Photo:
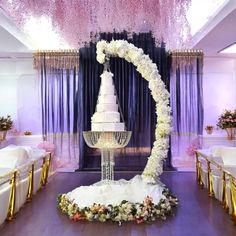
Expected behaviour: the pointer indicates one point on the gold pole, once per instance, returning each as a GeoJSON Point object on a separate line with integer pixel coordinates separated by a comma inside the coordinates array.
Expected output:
{"type": "Point", "coordinates": [12, 198]}
{"type": "Point", "coordinates": [42, 180]}
{"type": "Point", "coordinates": [30, 184]}
{"type": "Point", "coordinates": [224, 194]}
{"type": "Point", "coordinates": [47, 165]}
{"type": "Point", "coordinates": [210, 180]}
{"type": "Point", "coordinates": [233, 198]}
{"type": "Point", "coordinates": [198, 170]}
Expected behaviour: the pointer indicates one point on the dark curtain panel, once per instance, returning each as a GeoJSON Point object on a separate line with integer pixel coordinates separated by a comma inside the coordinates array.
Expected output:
{"type": "Point", "coordinates": [134, 96]}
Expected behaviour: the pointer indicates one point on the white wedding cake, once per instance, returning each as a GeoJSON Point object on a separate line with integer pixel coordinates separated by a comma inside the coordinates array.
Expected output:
{"type": "Point", "coordinates": [107, 117]}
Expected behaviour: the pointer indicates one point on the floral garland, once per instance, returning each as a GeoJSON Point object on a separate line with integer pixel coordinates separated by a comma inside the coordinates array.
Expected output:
{"type": "Point", "coordinates": [125, 211]}
{"type": "Point", "coordinates": [149, 71]}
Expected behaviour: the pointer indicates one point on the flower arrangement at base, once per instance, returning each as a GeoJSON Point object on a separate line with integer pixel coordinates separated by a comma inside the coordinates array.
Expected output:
{"type": "Point", "coordinates": [146, 211]}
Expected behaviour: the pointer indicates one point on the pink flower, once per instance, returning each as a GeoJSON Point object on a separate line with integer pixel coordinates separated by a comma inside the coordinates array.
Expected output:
{"type": "Point", "coordinates": [47, 146]}
{"type": "Point", "coordinates": [194, 145]}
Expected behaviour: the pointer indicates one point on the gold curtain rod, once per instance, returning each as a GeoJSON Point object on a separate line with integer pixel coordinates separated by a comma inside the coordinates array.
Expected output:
{"type": "Point", "coordinates": [67, 58]}
{"type": "Point", "coordinates": [186, 52]}
{"type": "Point", "coordinates": [57, 51]}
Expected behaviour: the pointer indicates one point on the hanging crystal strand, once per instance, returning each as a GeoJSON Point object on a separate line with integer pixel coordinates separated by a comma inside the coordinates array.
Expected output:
{"type": "Point", "coordinates": [112, 164]}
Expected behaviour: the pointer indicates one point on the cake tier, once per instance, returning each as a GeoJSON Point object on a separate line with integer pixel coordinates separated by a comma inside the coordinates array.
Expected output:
{"type": "Point", "coordinates": [107, 107]}
{"type": "Point", "coordinates": [108, 81]}
{"type": "Point", "coordinates": [107, 90]}
{"type": "Point", "coordinates": [108, 126]}
{"type": "Point", "coordinates": [106, 76]}
{"type": "Point", "coordinates": [110, 116]}
{"type": "Point", "coordinates": [106, 98]}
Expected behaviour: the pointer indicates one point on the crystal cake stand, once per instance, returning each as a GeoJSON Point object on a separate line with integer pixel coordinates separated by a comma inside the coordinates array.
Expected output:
{"type": "Point", "coordinates": [107, 141]}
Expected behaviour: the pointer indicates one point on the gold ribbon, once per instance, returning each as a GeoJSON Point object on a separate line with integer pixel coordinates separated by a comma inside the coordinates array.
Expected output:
{"type": "Point", "coordinates": [12, 198]}
{"type": "Point", "coordinates": [210, 180]}
{"type": "Point", "coordinates": [30, 190]}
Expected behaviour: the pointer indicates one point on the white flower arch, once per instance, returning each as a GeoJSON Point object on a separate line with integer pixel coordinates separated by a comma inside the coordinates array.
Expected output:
{"type": "Point", "coordinates": [149, 71]}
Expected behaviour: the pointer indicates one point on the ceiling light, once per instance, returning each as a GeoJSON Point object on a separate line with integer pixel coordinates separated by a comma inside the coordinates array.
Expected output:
{"type": "Point", "coordinates": [230, 49]}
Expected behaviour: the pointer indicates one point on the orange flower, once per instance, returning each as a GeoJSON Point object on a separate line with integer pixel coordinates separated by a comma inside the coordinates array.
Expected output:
{"type": "Point", "coordinates": [77, 217]}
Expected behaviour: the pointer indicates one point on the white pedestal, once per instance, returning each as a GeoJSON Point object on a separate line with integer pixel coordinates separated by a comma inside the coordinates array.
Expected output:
{"type": "Point", "coordinates": [216, 139]}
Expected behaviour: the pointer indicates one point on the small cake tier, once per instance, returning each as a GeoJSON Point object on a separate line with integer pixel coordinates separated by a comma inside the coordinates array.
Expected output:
{"type": "Point", "coordinates": [107, 107]}
{"type": "Point", "coordinates": [105, 98]}
{"type": "Point", "coordinates": [107, 77]}
{"type": "Point", "coordinates": [108, 126]}
{"type": "Point", "coordinates": [110, 116]}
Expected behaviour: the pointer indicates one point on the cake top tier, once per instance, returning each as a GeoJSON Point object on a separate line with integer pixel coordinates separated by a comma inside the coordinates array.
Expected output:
{"type": "Point", "coordinates": [107, 116]}
{"type": "Point", "coordinates": [106, 79]}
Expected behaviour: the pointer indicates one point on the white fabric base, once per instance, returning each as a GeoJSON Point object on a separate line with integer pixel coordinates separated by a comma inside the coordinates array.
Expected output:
{"type": "Point", "coordinates": [134, 190]}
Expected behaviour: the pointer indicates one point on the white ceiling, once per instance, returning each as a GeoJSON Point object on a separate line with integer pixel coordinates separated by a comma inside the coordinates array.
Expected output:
{"type": "Point", "coordinates": [217, 34]}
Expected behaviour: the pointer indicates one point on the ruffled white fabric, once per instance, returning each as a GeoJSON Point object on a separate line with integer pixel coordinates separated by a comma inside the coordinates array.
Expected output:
{"type": "Point", "coordinates": [134, 190]}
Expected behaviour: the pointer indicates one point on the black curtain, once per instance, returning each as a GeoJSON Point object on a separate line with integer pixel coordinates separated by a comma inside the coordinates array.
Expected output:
{"type": "Point", "coordinates": [134, 96]}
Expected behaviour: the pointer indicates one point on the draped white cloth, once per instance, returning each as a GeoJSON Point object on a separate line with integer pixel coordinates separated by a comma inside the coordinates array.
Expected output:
{"type": "Point", "coordinates": [114, 192]}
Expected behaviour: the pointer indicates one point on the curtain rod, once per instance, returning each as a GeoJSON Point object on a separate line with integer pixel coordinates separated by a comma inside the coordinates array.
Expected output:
{"type": "Point", "coordinates": [186, 52]}
{"type": "Point", "coordinates": [64, 52]}
{"type": "Point", "coordinates": [67, 58]}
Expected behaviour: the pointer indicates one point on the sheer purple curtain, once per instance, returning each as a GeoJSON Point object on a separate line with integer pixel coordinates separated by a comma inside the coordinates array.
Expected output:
{"type": "Point", "coordinates": [60, 118]}
{"type": "Point", "coordinates": [186, 101]}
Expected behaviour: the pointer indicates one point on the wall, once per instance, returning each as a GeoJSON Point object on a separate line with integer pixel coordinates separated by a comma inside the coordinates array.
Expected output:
{"type": "Point", "coordinates": [219, 93]}
{"type": "Point", "coordinates": [219, 87]}
{"type": "Point", "coordinates": [19, 94]}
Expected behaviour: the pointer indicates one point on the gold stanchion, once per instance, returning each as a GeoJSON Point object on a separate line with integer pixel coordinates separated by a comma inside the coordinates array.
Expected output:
{"type": "Point", "coordinates": [30, 184]}
{"type": "Point", "coordinates": [233, 198]}
{"type": "Point", "coordinates": [210, 180]}
{"type": "Point", "coordinates": [47, 165]}
{"type": "Point", "coordinates": [42, 180]}
{"type": "Point", "coordinates": [198, 170]}
{"type": "Point", "coordinates": [224, 192]}
{"type": "Point", "coordinates": [12, 198]}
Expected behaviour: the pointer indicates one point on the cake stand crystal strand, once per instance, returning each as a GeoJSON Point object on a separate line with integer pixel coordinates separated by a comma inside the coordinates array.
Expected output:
{"type": "Point", "coordinates": [107, 141]}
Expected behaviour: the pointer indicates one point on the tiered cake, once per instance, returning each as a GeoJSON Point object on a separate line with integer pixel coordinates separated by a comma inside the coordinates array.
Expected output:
{"type": "Point", "coordinates": [107, 117]}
